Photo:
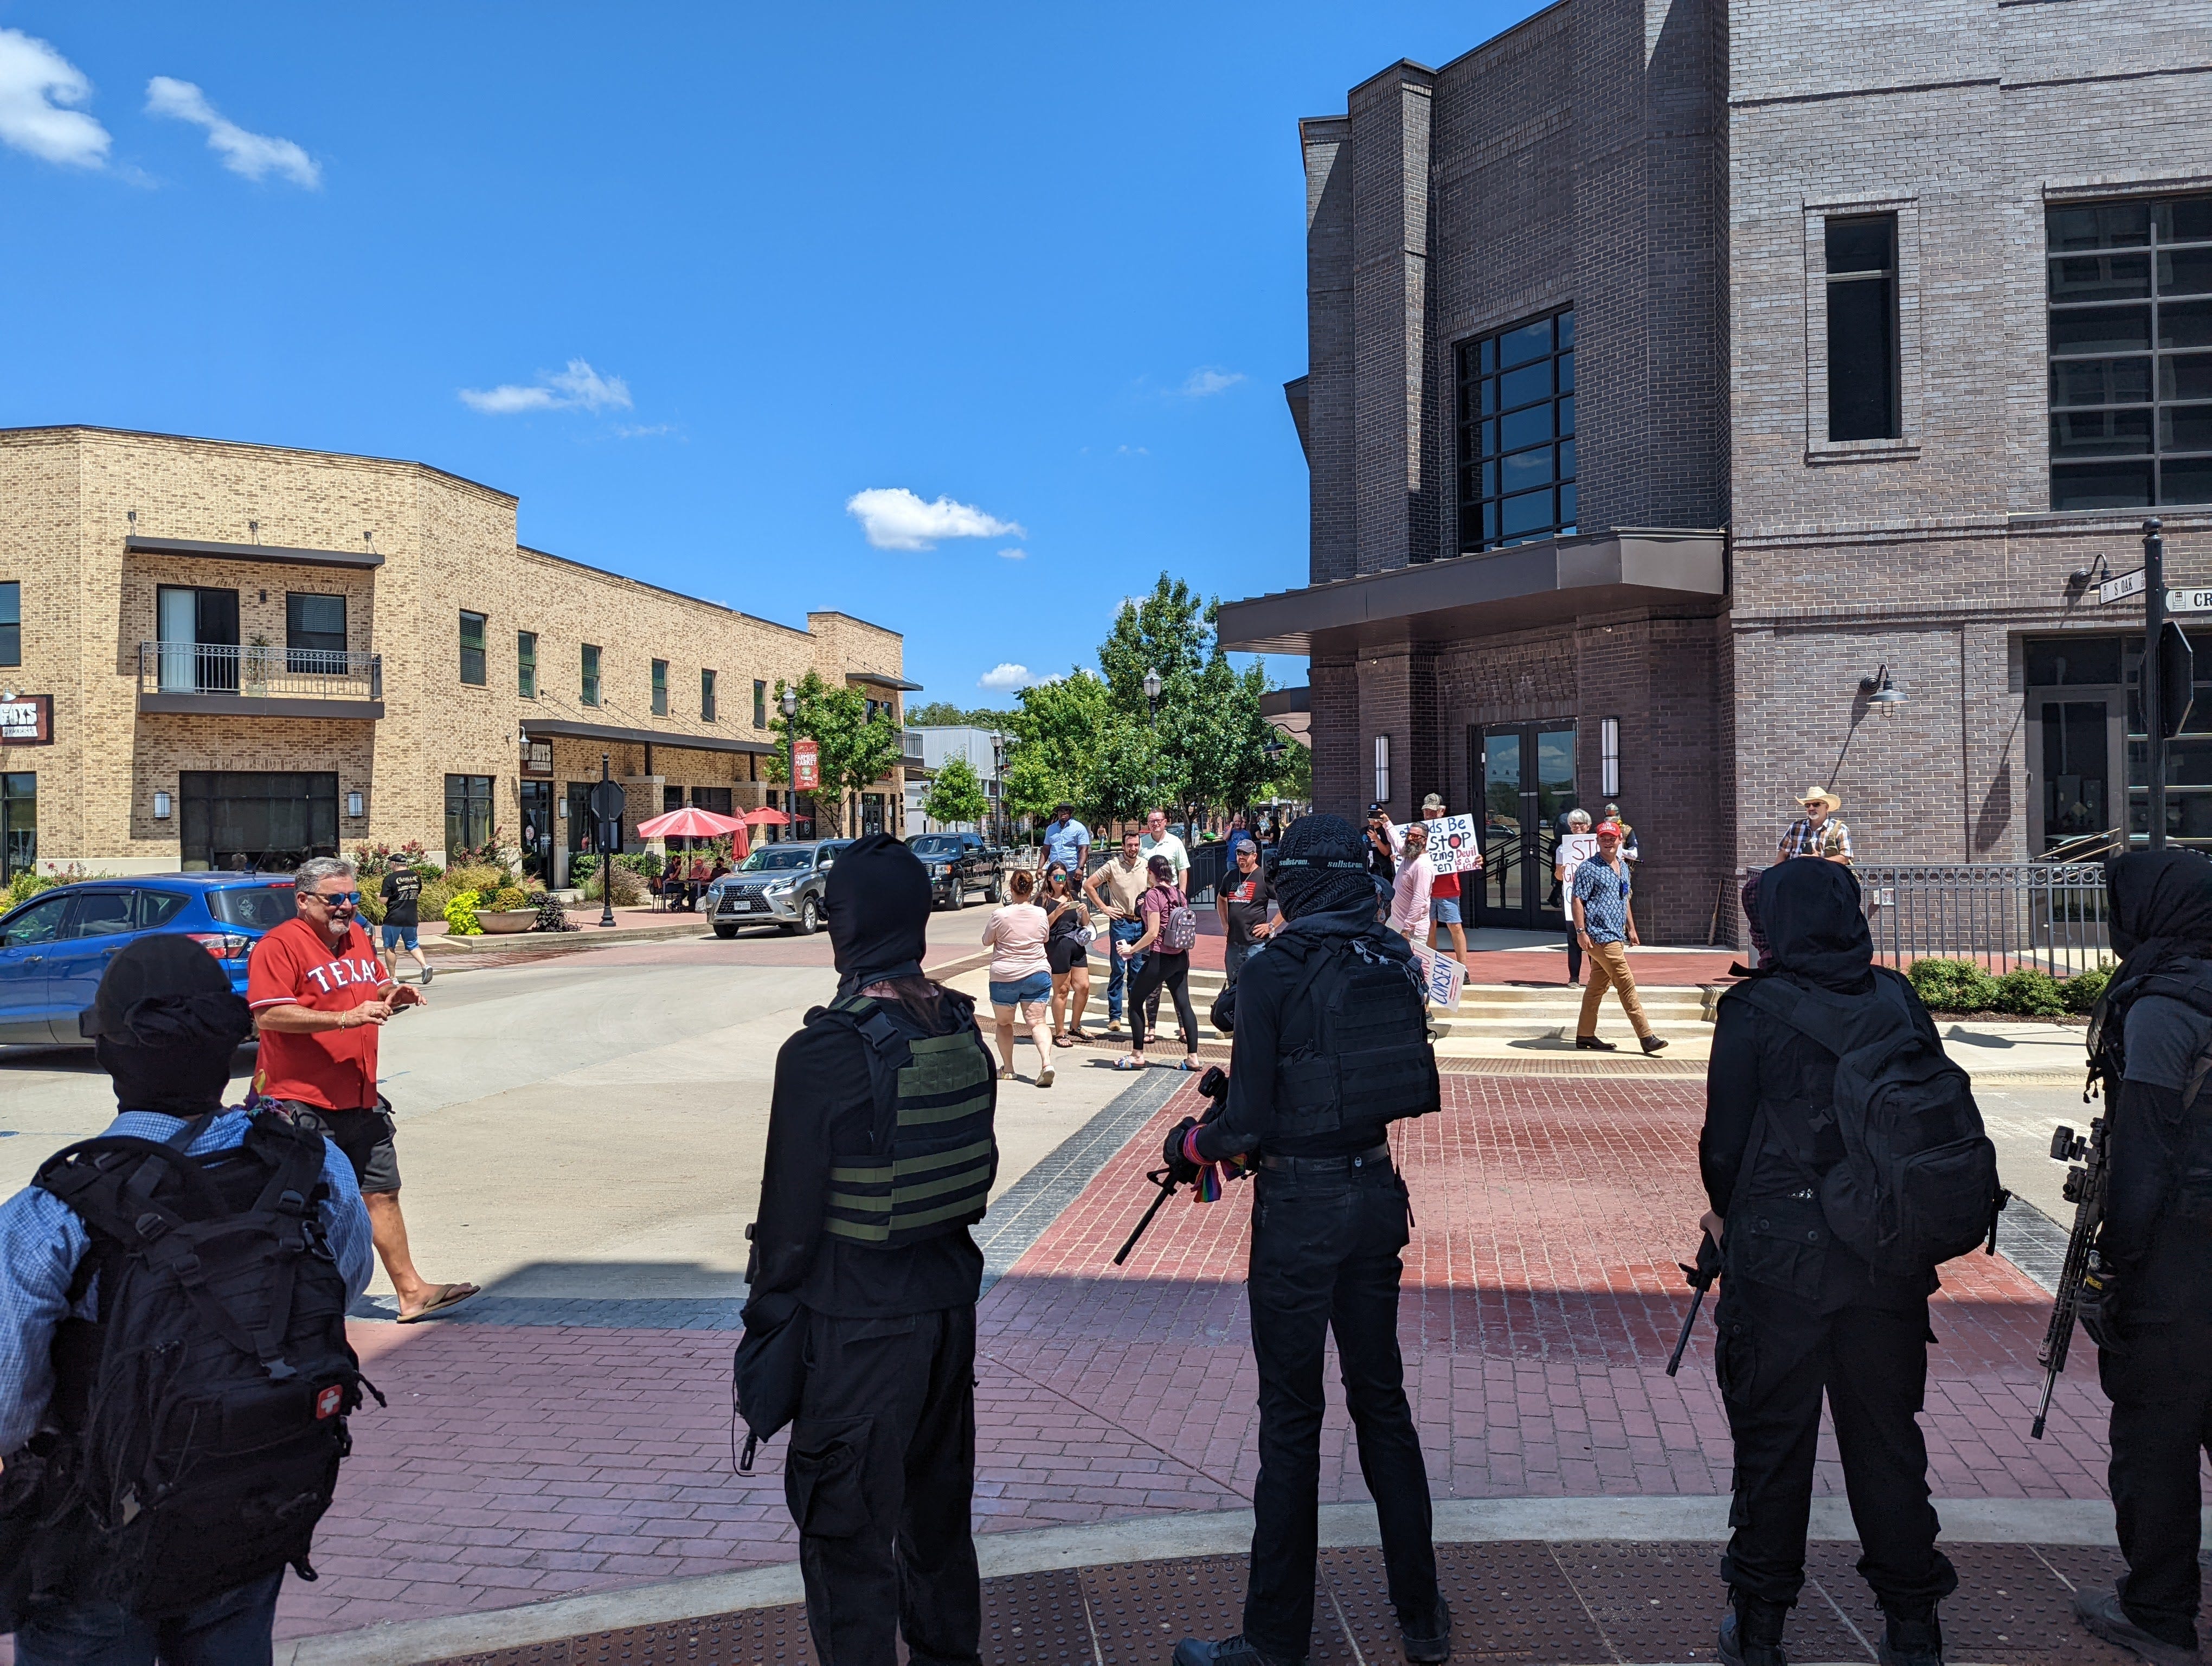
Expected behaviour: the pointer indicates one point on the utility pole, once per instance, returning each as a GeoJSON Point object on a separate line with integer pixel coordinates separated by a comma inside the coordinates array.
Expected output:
{"type": "Point", "coordinates": [2154, 703]}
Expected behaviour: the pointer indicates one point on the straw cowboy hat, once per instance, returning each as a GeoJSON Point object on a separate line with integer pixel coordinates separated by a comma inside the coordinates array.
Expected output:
{"type": "Point", "coordinates": [1813, 795]}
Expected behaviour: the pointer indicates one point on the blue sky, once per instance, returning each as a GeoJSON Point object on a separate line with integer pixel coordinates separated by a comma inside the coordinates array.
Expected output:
{"type": "Point", "coordinates": [712, 272]}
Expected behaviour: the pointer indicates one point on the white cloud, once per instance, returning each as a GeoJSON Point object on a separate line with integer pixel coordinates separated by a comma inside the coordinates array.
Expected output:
{"type": "Point", "coordinates": [1208, 379]}
{"type": "Point", "coordinates": [1006, 677]}
{"type": "Point", "coordinates": [255, 155]}
{"type": "Point", "coordinates": [894, 519]}
{"type": "Point", "coordinates": [1132, 451]}
{"type": "Point", "coordinates": [1013, 555]}
{"type": "Point", "coordinates": [37, 85]}
{"type": "Point", "coordinates": [579, 387]}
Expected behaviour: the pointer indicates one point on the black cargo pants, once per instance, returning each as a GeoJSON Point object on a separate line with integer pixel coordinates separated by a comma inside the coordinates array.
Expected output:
{"type": "Point", "coordinates": [2161, 1395]}
{"type": "Point", "coordinates": [879, 1478]}
{"type": "Point", "coordinates": [1778, 1353]}
{"type": "Point", "coordinates": [1326, 1234]}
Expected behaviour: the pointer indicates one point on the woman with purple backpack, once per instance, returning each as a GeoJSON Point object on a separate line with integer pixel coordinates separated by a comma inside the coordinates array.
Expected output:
{"type": "Point", "coordinates": [1170, 928]}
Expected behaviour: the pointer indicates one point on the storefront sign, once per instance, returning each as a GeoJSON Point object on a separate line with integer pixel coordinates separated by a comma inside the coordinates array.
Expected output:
{"type": "Point", "coordinates": [26, 720]}
{"type": "Point", "coordinates": [1452, 846]}
{"type": "Point", "coordinates": [806, 765]}
{"type": "Point", "coordinates": [537, 760]}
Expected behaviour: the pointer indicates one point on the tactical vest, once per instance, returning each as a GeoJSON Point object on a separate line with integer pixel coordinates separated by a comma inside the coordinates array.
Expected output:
{"type": "Point", "coordinates": [932, 1157]}
{"type": "Point", "coordinates": [1367, 1058]}
{"type": "Point", "coordinates": [2189, 1199]}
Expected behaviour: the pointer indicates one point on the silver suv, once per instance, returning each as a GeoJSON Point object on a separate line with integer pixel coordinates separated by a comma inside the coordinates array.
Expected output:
{"type": "Point", "coordinates": [779, 884]}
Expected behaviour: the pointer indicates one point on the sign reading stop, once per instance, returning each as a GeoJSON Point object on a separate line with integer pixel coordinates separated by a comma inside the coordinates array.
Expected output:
{"type": "Point", "coordinates": [806, 765]}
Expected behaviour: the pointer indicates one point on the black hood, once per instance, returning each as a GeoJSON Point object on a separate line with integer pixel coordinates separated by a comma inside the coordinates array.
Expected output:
{"type": "Point", "coordinates": [164, 1025]}
{"type": "Point", "coordinates": [1321, 867]}
{"type": "Point", "coordinates": [1815, 926]}
{"type": "Point", "coordinates": [2159, 904]}
{"type": "Point", "coordinates": [878, 900]}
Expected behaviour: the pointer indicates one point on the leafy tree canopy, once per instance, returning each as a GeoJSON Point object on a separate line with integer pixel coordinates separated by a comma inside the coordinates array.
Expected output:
{"type": "Point", "coordinates": [956, 794]}
{"type": "Point", "coordinates": [943, 714]}
{"type": "Point", "coordinates": [1053, 752]}
{"type": "Point", "coordinates": [1168, 631]}
{"type": "Point", "coordinates": [855, 750]}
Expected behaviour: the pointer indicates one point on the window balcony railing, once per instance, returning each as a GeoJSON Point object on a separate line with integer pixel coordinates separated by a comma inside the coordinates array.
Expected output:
{"type": "Point", "coordinates": [225, 668]}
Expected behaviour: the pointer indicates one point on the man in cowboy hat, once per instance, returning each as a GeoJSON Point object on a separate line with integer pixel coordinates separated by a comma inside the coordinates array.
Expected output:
{"type": "Point", "coordinates": [1817, 832]}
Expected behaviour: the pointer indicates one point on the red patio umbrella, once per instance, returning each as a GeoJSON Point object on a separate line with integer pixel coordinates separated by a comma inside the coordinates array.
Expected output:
{"type": "Point", "coordinates": [765, 818]}
{"type": "Point", "coordinates": [690, 823]}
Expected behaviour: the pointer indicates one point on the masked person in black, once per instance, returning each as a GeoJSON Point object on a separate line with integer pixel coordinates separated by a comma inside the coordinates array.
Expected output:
{"type": "Point", "coordinates": [880, 1156]}
{"type": "Point", "coordinates": [1331, 1046]}
{"type": "Point", "coordinates": [2147, 1301]}
{"type": "Point", "coordinates": [1800, 1311]}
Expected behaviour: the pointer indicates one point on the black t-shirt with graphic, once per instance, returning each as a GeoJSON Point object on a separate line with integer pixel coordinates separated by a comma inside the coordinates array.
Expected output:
{"type": "Point", "coordinates": [402, 886]}
{"type": "Point", "coordinates": [1243, 904]}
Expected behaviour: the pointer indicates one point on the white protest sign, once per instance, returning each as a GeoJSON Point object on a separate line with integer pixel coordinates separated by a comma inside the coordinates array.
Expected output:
{"type": "Point", "coordinates": [1444, 976]}
{"type": "Point", "coordinates": [1574, 850]}
{"type": "Point", "coordinates": [1453, 844]}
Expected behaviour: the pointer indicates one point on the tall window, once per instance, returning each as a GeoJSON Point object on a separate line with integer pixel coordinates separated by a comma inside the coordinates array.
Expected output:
{"type": "Point", "coordinates": [314, 632]}
{"type": "Point", "coordinates": [760, 704]}
{"type": "Point", "coordinates": [706, 696]}
{"type": "Point", "coordinates": [590, 693]}
{"type": "Point", "coordinates": [660, 688]}
{"type": "Point", "coordinates": [468, 813]}
{"type": "Point", "coordinates": [1862, 378]}
{"type": "Point", "coordinates": [18, 823]}
{"type": "Point", "coordinates": [2130, 353]}
{"type": "Point", "coordinates": [525, 664]}
{"type": "Point", "coordinates": [11, 622]}
{"type": "Point", "coordinates": [1516, 434]}
{"type": "Point", "coordinates": [472, 649]}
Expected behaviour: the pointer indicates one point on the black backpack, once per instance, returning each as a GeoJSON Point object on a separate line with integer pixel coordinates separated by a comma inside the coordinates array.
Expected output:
{"type": "Point", "coordinates": [1918, 1181]}
{"type": "Point", "coordinates": [198, 1425]}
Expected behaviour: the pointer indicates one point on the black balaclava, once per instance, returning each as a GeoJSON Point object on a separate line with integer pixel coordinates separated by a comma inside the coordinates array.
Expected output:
{"type": "Point", "coordinates": [1815, 925]}
{"type": "Point", "coordinates": [2161, 904]}
{"type": "Point", "coordinates": [1322, 868]}
{"type": "Point", "coordinates": [878, 900]}
{"type": "Point", "coordinates": [164, 1025]}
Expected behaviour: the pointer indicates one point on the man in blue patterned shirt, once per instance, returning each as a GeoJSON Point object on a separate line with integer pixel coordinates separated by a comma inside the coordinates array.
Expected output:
{"type": "Point", "coordinates": [1605, 926]}
{"type": "Point", "coordinates": [165, 1025]}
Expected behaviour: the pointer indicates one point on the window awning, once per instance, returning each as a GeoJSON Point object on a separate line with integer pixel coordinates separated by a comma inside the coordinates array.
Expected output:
{"type": "Point", "coordinates": [275, 555]}
{"type": "Point", "coordinates": [882, 682]}
{"type": "Point", "coordinates": [545, 728]}
{"type": "Point", "coordinates": [1551, 582]}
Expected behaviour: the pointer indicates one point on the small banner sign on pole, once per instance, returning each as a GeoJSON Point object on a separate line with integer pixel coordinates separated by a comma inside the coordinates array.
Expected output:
{"type": "Point", "coordinates": [806, 765]}
{"type": "Point", "coordinates": [1444, 976]}
{"type": "Point", "coordinates": [1453, 844]}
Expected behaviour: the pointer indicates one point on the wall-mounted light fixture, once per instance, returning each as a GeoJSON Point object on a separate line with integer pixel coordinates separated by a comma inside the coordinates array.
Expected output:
{"type": "Point", "coordinates": [1881, 693]}
{"type": "Point", "coordinates": [161, 806]}
{"type": "Point", "coordinates": [1608, 757]}
{"type": "Point", "coordinates": [1382, 769]}
{"type": "Point", "coordinates": [354, 805]}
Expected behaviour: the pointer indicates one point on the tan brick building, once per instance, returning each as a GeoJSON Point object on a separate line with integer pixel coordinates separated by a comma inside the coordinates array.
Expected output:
{"type": "Point", "coordinates": [228, 651]}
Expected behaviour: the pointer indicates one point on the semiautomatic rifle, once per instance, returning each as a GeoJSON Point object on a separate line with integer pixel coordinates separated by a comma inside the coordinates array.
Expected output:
{"type": "Point", "coordinates": [1214, 1085]}
{"type": "Point", "coordinates": [1700, 1280]}
{"type": "Point", "coordinates": [2085, 1190]}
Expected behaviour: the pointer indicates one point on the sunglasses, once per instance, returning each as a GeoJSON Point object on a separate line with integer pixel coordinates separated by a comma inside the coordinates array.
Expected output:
{"type": "Point", "coordinates": [335, 899]}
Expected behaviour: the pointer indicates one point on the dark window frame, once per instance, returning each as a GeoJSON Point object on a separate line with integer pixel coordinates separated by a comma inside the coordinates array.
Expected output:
{"type": "Point", "coordinates": [707, 702]}
{"type": "Point", "coordinates": [760, 703]}
{"type": "Point", "coordinates": [468, 811]}
{"type": "Point", "coordinates": [309, 649]}
{"type": "Point", "coordinates": [589, 685]}
{"type": "Point", "coordinates": [477, 665]}
{"type": "Point", "coordinates": [11, 621]}
{"type": "Point", "coordinates": [660, 688]}
{"type": "Point", "coordinates": [1496, 399]}
{"type": "Point", "coordinates": [19, 827]}
{"type": "Point", "coordinates": [1864, 333]}
{"type": "Point", "coordinates": [2129, 303]}
{"type": "Point", "coordinates": [525, 665]}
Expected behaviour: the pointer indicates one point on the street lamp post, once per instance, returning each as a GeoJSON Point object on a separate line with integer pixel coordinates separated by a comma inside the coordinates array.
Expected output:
{"type": "Point", "coordinates": [791, 756]}
{"type": "Point", "coordinates": [606, 852]}
{"type": "Point", "coordinates": [1152, 700]}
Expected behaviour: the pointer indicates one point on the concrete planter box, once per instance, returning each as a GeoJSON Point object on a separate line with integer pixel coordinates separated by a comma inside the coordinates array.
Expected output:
{"type": "Point", "coordinates": [497, 921]}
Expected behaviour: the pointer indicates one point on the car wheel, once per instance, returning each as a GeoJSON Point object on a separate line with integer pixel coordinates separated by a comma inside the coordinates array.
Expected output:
{"type": "Point", "coordinates": [810, 917]}
{"type": "Point", "coordinates": [957, 898]}
{"type": "Point", "coordinates": [726, 931]}
{"type": "Point", "coordinates": [997, 894]}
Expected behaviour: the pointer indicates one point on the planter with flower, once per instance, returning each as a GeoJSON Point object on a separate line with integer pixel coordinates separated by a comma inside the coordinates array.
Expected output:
{"type": "Point", "coordinates": [510, 909]}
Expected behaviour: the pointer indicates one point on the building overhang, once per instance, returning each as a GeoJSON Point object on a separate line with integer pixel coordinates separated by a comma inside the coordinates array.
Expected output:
{"type": "Point", "coordinates": [269, 553]}
{"type": "Point", "coordinates": [882, 682]}
{"type": "Point", "coordinates": [1552, 583]}
{"type": "Point", "coordinates": [258, 705]}
{"type": "Point", "coordinates": [547, 728]}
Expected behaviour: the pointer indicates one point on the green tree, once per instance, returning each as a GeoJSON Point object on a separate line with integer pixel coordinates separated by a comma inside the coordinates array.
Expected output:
{"type": "Point", "coordinates": [1129, 774]}
{"type": "Point", "coordinates": [1053, 746]}
{"type": "Point", "coordinates": [1291, 776]}
{"type": "Point", "coordinates": [943, 714]}
{"type": "Point", "coordinates": [957, 794]}
{"type": "Point", "coordinates": [1217, 734]}
{"type": "Point", "coordinates": [1168, 631]}
{"type": "Point", "coordinates": [855, 750]}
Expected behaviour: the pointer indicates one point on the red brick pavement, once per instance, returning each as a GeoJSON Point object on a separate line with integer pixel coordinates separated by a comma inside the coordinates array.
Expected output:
{"type": "Point", "coordinates": [516, 1463]}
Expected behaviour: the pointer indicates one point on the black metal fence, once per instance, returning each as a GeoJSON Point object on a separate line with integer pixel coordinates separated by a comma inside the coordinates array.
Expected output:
{"type": "Point", "coordinates": [227, 668]}
{"type": "Point", "coordinates": [2048, 915]}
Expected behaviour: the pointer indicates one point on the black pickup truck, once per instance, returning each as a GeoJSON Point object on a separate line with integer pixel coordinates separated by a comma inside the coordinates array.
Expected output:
{"type": "Point", "coordinates": [958, 864]}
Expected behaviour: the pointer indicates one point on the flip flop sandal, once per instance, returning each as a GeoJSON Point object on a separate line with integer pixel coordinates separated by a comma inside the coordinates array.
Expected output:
{"type": "Point", "coordinates": [1063, 1041]}
{"type": "Point", "coordinates": [447, 1296]}
{"type": "Point", "coordinates": [1126, 1062]}
{"type": "Point", "coordinates": [1083, 1036]}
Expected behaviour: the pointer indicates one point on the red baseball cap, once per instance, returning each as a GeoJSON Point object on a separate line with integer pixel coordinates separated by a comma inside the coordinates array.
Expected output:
{"type": "Point", "coordinates": [1613, 828]}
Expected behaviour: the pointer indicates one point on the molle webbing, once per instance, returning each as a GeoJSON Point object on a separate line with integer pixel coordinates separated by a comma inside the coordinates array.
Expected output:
{"type": "Point", "coordinates": [936, 1175]}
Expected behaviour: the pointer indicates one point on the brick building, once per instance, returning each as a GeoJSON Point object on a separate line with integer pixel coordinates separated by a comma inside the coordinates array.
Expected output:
{"type": "Point", "coordinates": [1679, 368]}
{"type": "Point", "coordinates": [211, 651]}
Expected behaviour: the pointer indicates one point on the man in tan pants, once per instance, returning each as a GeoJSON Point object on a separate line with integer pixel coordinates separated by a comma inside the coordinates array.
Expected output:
{"type": "Point", "coordinates": [1605, 926]}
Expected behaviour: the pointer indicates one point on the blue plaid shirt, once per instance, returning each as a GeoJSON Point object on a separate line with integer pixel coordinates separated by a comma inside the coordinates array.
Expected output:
{"type": "Point", "coordinates": [1604, 893]}
{"type": "Point", "coordinates": [42, 1241]}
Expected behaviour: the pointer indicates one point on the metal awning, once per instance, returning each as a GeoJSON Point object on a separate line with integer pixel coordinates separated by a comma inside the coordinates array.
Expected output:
{"type": "Point", "coordinates": [1551, 582]}
{"type": "Point", "coordinates": [881, 681]}
{"type": "Point", "coordinates": [274, 553]}
{"type": "Point", "coordinates": [545, 728]}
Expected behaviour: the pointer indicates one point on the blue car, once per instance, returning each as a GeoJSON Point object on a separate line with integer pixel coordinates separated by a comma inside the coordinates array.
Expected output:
{"type": "Point", "coordinates": [54, 947]}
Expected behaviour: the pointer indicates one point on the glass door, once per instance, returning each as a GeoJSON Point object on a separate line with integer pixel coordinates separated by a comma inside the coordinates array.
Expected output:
{"type": "Point", "coordinates": [1502, 870]}
{"type": "Point", "coordinates": [1526, 781]}
{"type": "Point", "coordinates": [2076, 773]}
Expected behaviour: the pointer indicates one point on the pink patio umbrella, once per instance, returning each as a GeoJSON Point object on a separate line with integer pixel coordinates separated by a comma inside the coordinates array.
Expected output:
{"type": "Point", "coordinates": [765, 818]}
{"type": "Point", "coordinates": [692, 823]}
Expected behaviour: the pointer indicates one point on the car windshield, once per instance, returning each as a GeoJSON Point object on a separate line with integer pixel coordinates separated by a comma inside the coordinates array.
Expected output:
{"type": "Point", "coordinates": [777, 857]}
{"type": "Point", "coordinates": [936, 847]}
{"type": "Point", "coordinates": [258, 908]}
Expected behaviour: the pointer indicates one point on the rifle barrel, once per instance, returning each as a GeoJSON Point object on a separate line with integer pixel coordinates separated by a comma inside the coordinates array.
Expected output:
{"type": "Point", "coordinates": [1167, 1191]}
{"type": "Point", "coordinates": [1689, 1323]}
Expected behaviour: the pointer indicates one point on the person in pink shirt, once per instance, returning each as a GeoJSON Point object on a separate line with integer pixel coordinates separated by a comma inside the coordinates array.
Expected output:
{"type": "Point", "coordinates": [1021, 976]}
{"type": "Point", "coordinates": [1409, 896]}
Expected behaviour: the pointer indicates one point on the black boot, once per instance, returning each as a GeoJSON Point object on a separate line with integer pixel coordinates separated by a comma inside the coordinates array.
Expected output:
{"type": "Point", "coordinates": [1913, 1638]}
{"type": "Point", "coordinates": [1751, 1634]}
{"type": "Point", "coordinates": [1431, 1640]}
{"type": "Point", "coordinates": [1229, 1651]}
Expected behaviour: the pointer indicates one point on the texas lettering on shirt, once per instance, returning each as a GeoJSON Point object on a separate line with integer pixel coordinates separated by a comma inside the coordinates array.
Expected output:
{"type": "Point", "coordinates": [338, 971]}
{"type": "Point", "coordinates": [296, 964]}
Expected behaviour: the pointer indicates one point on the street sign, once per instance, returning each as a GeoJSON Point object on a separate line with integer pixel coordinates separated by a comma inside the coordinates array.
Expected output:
{"type": "Point", "coordinates": [1452, 844]}
{"type": "Point", "coordinates": [2119, 589]}
{"type": "Point", "coordinates": [806, 765]}
{"type": "Point", "coordinates": [2188, 601]}
{"type": "Point", "coordinates": [2177, 677]}
{"type": "Point", "coordinates": [607, 801]}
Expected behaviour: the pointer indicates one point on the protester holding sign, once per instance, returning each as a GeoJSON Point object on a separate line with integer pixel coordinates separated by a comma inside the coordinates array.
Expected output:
{"type": "Point", "coordinates": [1577, 846]}
{"type": "Point", "coordinates": [1452, 850]}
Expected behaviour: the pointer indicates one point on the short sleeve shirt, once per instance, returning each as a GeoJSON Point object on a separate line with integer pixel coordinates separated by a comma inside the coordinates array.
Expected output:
{"type": "Point", "coordinates": [402, 888]}
{"type": "Point", "coordinates": [1156, 904]}
{"type": "Point", "coordinates": [1065, 841]}
{"type": "Point", "coordinates": [2164, 1038]}
{"type": "Point", "coordinates": [295, 964]}
{"type": "Point", "coordinates": [1831, 838]}
{"type": "Point", "coordinates": [1122, 885]}
{"type": "Point", "coordinates": [1244, 903]}
{"type": "Point", "coordinates": [1604, 891]}
{"type": "Point", "coordinates": [1170, 845]}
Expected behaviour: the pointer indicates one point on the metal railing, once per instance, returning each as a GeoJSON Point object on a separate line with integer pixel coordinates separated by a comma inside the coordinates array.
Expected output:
{"type": "Point", "coordinates": [311, 673]}
{"type": "Point", "coordinates": [2048, 915]}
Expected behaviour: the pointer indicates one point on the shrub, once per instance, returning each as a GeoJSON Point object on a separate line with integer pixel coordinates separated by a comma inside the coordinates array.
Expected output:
{"type": "Point", "coordinates": [27, 883]}
{"type": "Point", "coordinates": [581, 867]}
{"type": "Point", "coordinates": [510, 897]}
{"type": "Point", "coordinates": [629, 889]}
{"type": "Point", "coordinates": [480, 877]}
{"type": "Point", "coordinates": [372, 902]}
{"type": "Point", "coordinates": [376, 859]}
{"type": "Point", "coordinates": [2082, 991]}
{"type": "Point", "coordinates": [431, 904]}
{"type": "Point", "coordinates": [643, 863]}
{"type": "Point", "coordinates": [461, 915]}
{"type": "Point", "coordinates": [2029, 994]}
{"type": "Point", "coordinates": [1953, 985]}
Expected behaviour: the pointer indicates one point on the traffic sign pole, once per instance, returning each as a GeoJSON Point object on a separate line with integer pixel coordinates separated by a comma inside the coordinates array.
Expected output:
{"type": "Point", "coordinates": [2154, 706]}
{"type": "Point", "coordinates": [606, 805]}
